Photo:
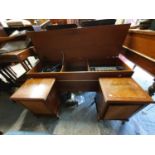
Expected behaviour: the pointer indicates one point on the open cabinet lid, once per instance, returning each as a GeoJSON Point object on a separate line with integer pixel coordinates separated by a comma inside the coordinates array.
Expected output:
{"type": "Point", "coordinates": [92, 43]}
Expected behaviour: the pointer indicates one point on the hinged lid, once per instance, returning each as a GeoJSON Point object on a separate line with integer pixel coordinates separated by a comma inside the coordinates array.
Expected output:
{"type": "Point", "coordinates": [93, 43]}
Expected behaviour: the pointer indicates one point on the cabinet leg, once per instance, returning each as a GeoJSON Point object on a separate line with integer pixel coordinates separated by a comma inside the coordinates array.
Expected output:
{"type": "Point", "coordinates": [98, 118]}
{"type": "Point", "coordinates": [124, 121]}
{"type": "Point", "coordinates": [151, 89]}
{"type": "Point", "coordinates": [58, 116]}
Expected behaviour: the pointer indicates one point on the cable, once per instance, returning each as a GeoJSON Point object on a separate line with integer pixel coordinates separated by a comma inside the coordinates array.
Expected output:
{"type": "Point", "coordinates": [63, 58]}
{"type": "Point", "coordinates": [55, 67]}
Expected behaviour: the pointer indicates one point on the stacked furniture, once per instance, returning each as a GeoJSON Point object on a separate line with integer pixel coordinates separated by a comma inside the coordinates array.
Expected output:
{"type": "Point", "coordinates": [11, 55]}
{"type": "Point", "coordinates": [139, 48]}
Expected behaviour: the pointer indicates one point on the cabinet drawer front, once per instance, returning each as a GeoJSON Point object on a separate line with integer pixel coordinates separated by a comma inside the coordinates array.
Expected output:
{"type": "Point", "coordinates": [37, 107]}
{"type": "Point", "coordinates": [121, 112]}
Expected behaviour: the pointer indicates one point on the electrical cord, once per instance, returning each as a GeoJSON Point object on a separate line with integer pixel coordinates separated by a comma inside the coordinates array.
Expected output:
{"type": "Point", "coordinates": [55, 67]}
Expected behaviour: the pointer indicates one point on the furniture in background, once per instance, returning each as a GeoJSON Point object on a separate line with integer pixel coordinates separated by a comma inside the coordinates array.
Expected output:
{"type": "Point", "coordinates": [98, 22]}
{"type": "Point", "coordinates": [20, 56]}
{"type": "Point", "coordinates": [10, 30]}
{"type": "Point", "coordinates": [139, 48]}
{"type": "Point", "coordinates": [61, 26]}
{"type": "Point", "coordinates": [14, 57]}
{"type": "Point", "coordinates": [11, 53]}
{"type": "Point", "coordinates": [11, 25]}
{"type": "Point", "coordinates": [58, 21]}
{"type": "Point", "coordinates": [2, 32]}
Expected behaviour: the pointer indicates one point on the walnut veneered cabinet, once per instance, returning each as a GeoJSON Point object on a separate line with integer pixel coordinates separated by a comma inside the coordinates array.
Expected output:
{"type": "Point", "coordinates": [120, 98]}
{"type": "Point", "coordinates": [39, 96]}
{"type": "Point", "coordinates": [77, 51]}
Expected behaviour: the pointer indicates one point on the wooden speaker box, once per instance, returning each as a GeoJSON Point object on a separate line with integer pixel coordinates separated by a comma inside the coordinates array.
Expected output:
{"type": "Point", "coordinates": [120, 98]}
{"type": "Point", "coordinates": [77, 57]}
{"type": "Point", "coordinates": [39, 95]}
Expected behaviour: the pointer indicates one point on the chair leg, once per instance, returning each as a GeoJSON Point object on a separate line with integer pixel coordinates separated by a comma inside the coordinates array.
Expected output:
{"type": "Point", "coordinates": [29, 63]}
{"type": "Point", "coordinates": [12, 71]}
{"type": "Point", "coordinates": [9, 75]}
{"type": "Point", "coordinates": [6, 76]}
{"type": "Point", "coordinates": [24, 66]}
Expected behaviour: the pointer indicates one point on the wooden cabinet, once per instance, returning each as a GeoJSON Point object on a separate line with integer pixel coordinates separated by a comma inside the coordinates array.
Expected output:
{"type": "Point", "coordinates": [77, 52]}
{"type": "Point", "coordinates": [120, 98]}
{"type": "Point", "coordinates": [39, 96]}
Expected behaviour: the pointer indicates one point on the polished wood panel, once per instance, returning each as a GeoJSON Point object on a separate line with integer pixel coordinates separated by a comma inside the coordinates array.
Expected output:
{"type": "Point", "coordinates": [37, 107]}
{"type": "Point", "coordinates": [121, 90]}
{"type": "Point", "coordinates": [34, 89]}
{"type": "Point", "coordinates": [53, 101]}
{"type": "Point", "coordinates": [101, 105]}
{"type": "Point", "coordinates": [142, 41]}
{"type": "Point", "coordinates": [67, 74]}
{"type": "Point", "coordinates": [120, 112]}
{"type": "Point", "coordinates": [141, 61]}
{"type": "Point", "coordinates": [83, 75]}
{"type": "Point", "coordinates": [139, 47]}
{"type": "Point", "coordinates": [95, 43]}
{"type": "Point", "coordinates": [77, 85]}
